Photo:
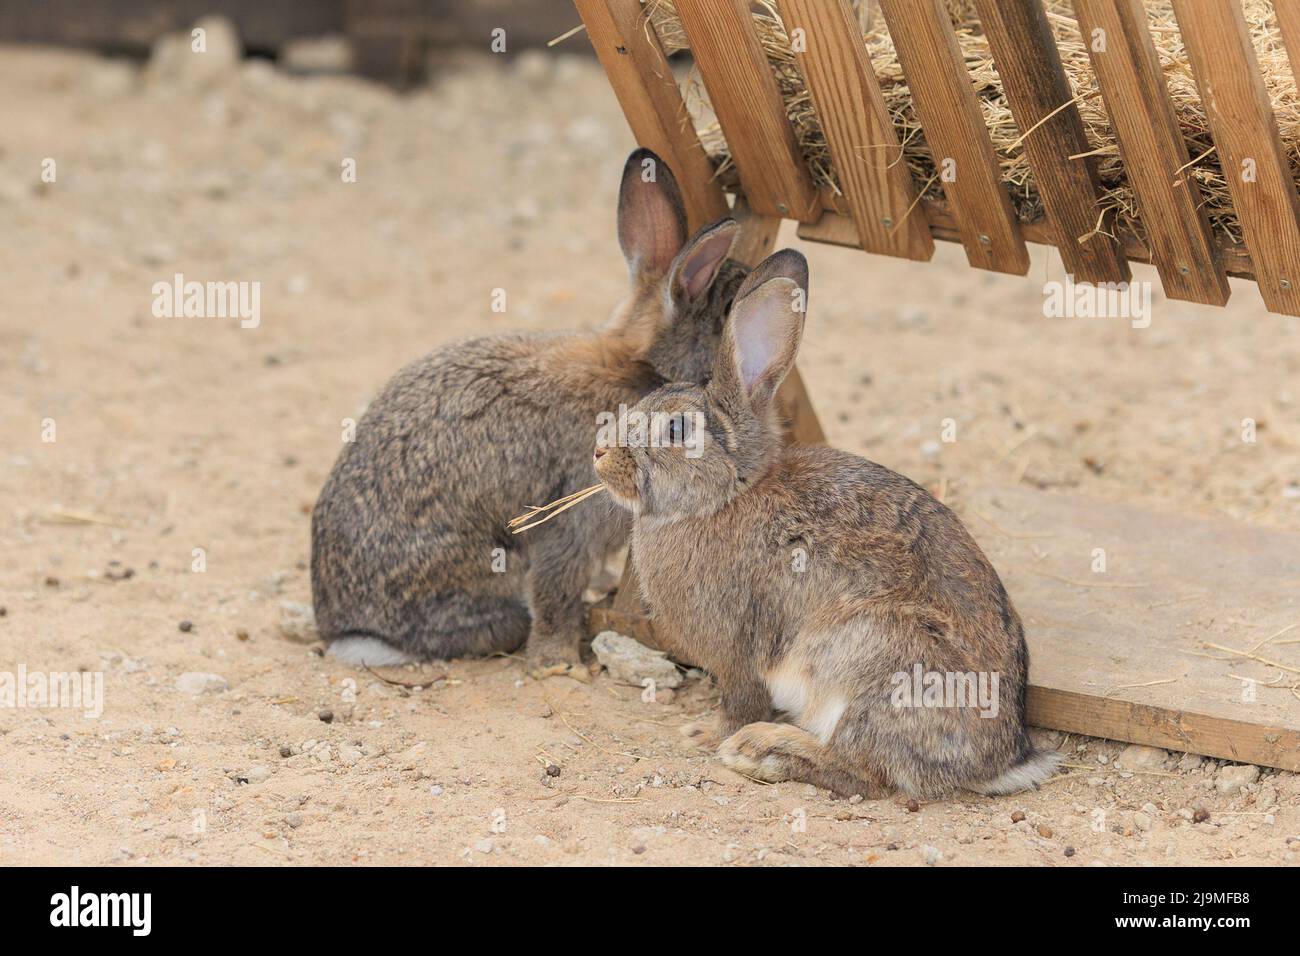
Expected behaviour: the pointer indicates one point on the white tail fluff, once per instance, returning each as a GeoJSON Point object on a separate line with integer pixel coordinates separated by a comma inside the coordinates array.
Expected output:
{"type": "Point", "coordinates": [1029, 773]}
{"type": "Point", "coordinates": [367, 651]}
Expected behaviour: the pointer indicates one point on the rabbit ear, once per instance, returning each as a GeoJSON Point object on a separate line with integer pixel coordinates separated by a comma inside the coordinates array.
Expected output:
{"type": "Point", "coordinates": [651, 216]}
{"type": "Point", "coordinates": [763, 335]}
{"type": "Point", "coordinates": [696, 266]}
{"type": "Point", "coordinates": [786, 262]}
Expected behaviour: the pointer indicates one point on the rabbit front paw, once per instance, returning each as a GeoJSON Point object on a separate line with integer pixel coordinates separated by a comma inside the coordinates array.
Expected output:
{"type": "Point", "coordinates": [553, 650]}
{"type": "Point", "coordinates": [767, 751]}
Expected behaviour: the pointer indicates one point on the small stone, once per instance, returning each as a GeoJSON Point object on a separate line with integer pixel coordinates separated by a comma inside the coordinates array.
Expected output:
{"type": "Point", "coordinates": [1017, 816]}
{"type": "Point", "coordinates": [932, 854]}
{"type": "Point", "coordinates": [1139, 757]}
{"type": "Point", "coordinates": [195, 682]}
{"type": "Point", "coordinates": [633, 662]}
{"type": "Point", "coordinates": [912, 806]}
{"type": "Point", "coordinates": [326, 716]}
{"type": "Point", "coordinates": [1142, 821]}
{"type": "Point", "coordinates": [1200, 815]}
{"type": "Point", "coordinates": [1044, 831]}
{"type": "Point", "coordinates": [483, 846]}
{"type": "Point", "coordinates": [294, 819]}
{"type": "Point", "coordinates": [1069, 851]}
{"type": "Point", "coordinates": [349, 755]}
{"type": "Point", "coordinates": [286, 751]}
{"type": "Point", "coordinates": [257, 773]}
{"type": "Point", "coordinates": [1233, 778]}
{"type": "Point", "coordinates": [298, 623]}
{"type": "Point", "coordinates": [552, 770]}
{"type": "Point", "coordinates": [1189, 763]}
{"type": "Point", "coordinates": [435, 790]}
{"type": "Point", "coordinates": [186, 626]}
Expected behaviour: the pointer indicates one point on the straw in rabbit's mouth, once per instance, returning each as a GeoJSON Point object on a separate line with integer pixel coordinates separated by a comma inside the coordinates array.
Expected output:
{"type": "Point", "coordinates": [555, 507]}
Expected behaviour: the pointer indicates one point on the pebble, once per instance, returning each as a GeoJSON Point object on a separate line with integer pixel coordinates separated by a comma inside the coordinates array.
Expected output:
{"type": "Point", "coordinates": [186, 626]}
{"type": "Point", "coordinates": [1139, 757]}
{"type": "Point", "coordinates": [932, 854]}
{"type": "Point", "coordinates": [1017, 816]}
{"type": "Point", "coordinates": [633, 662]}
{"type": "Point", "coordinates": [326, 716]}
{"type": "Point", "coordinates": [298, 623]}
{"type": "Point", "coordinates": [1190, 763]}
{"type": "Point", "coordinates": [1044, 831]}
{"type": "Point", "coordinates": [1142, 821]}
{"type": "Point", "coordinates": [1232, 778]}
{"type": "Point", "coordinates": [195, 682]}
{"type": "Point", "coordinates": [1200, 815]}
{"type": "Point", "coordinates": [257, 773]}
{"type": "Point", "coordinates": [483, 846]}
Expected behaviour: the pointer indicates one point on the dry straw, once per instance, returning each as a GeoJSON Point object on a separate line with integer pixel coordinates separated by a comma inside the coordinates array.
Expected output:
{"type": "Point", "coordinates": [555, 507]}
{"type": "Point", "coordinates": [1118, 195]}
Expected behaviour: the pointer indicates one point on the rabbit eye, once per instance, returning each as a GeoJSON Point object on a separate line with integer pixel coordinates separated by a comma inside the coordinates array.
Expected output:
{"type": "Point", "coordinates": [676, 430]}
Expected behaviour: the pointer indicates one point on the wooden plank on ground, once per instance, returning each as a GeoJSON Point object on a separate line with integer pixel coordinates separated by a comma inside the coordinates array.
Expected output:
{"type": "Point", "coordinates": [1151, 143]}
{"type": "Point", "coordinates": [877, 186]}
{"type": "Point", "coordinates": [949, 111]}
{"type": "Point", "coordinates": [744, 96]}
{"type": "Point", "coordinates": [652, 102]}
{"type": "Point", "coordinates": [1039, 95]}
{"type": "Point", "coordinates": [1250, 150]}
{"type": "Point", "coordinates": [1125, 654]}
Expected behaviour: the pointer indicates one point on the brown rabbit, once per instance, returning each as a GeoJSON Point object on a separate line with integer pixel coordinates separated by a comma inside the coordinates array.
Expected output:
{"type": "Point", "coordinates": [411, 556]}
{"type": "Point", "coordinates": [815, 583]}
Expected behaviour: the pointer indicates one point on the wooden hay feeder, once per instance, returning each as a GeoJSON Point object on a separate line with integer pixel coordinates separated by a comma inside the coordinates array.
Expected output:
{"type": "Point", "coordinates": [1107, 660]}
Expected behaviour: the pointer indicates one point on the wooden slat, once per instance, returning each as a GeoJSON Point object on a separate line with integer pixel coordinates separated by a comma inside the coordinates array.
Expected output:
{"type": "Point", "coordinates": [864, 146]}
{"type": "Point", "coordinates": [1245, 135]}
{"type": "Point", "coordinates": [839, 230]}
{"type": "Point", "coordinates": [643, 82]}
{"type": "Point", "coordinates": [949, 111]}
{"type": "Point", "coordinates": [745, 99]}
{"type": "Point", "coordinates": [1288, 19]}
{"type": "Point", "coordinates": [1036, 88]}
{"type": "Point", "coordinates": [1152, 147]}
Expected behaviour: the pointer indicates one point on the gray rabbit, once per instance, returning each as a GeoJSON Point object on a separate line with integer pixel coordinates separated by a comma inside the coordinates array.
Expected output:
{"type": "Point", "coordinates": [411, 556]}
{"type": "Point", "coordinates": [817, 584]}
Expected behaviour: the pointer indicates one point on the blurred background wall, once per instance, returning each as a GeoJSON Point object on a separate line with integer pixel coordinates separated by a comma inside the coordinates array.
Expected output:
{"type": "Point", "coordinates": [390, 40]}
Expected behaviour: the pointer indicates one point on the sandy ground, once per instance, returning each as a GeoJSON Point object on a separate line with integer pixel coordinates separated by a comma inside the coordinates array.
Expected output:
{"type": "Point", "coordinates": [176, 434]}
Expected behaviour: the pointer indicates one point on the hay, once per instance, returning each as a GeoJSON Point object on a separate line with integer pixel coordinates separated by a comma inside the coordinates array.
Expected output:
{"type": "Point", "coordinates": [1117, 194]}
